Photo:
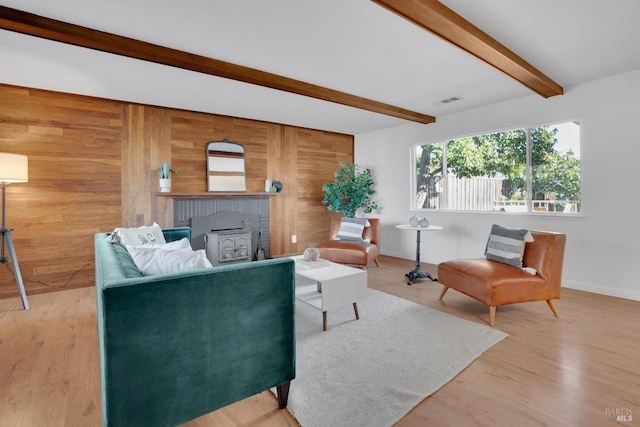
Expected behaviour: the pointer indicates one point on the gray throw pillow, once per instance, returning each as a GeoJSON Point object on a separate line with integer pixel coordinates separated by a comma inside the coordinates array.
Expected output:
{"type": "Point", "coordinates": [507, 245]}
{"type": "Point", "coordinates": [351, 229]}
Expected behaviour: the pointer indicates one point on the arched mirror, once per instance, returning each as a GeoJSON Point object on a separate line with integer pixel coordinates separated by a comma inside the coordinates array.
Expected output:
{"type": "Point", "coordinates": [225, 166]}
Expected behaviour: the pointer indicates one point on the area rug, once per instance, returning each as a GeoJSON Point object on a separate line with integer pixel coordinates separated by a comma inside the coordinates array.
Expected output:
{"type": "Point", "coordinates": [373, 371]}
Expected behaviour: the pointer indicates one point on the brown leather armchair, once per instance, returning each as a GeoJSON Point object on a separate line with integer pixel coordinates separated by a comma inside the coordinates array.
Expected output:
{"type": "Point", "coordinates": [495, 283]}
{"type": "Point", "coordinates": [352, 252]}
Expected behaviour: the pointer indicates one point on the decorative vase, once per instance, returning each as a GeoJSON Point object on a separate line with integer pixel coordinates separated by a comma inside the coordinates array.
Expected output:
{"type": "Point", "coordinates": [424, 222]}
{"type": "Point", "coordinates": [414, 221]}
{"type": "Point", "coordinates": [165, 185]}
{"type": "Point", "coordinates": [311, 254]}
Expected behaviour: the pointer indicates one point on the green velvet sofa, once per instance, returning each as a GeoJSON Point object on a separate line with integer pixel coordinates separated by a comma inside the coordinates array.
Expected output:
{"type": "Point", "coordinates": [176, 346]}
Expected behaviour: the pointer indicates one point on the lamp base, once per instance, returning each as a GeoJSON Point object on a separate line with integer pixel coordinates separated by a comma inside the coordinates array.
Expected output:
{"type": "Point", "coordinates": [8, 240]}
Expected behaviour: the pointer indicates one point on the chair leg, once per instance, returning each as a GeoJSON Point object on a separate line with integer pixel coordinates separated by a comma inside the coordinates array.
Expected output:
{"type": "Point", "coordinates": [492, 315]}
{"type": "Point", "coordinates": [553, 309]}
{"type": "Point", "coordinates": [376, 261]}
{"type": "Point", "coordinates": [444, 291]}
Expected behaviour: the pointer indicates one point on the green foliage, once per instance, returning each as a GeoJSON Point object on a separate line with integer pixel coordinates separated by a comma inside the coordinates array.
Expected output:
{"type": "Point", "coordinates": [559, 175]}
{"type": "Point", "coordinates": [164, 170]}
{"type": "Point", "coordinates": [352, 190]}
{"type": "Point", "coordinates": [504, 154]}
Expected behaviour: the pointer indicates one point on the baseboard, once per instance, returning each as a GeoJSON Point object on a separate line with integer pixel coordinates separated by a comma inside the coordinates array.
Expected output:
{"type": "Point", "coordinates": [570, 284]}
{"type": "Point", "coordinates": [602, 290]}
{"type": "Point", "coordinates": [399, 255]}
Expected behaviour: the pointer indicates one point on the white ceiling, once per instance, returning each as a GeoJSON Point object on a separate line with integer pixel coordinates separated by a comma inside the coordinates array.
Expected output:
{"type": "Point", "coordinates": [353, 46]}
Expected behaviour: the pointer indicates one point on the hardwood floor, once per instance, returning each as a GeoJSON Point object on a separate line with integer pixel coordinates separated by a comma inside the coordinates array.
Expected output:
{"type": "Point", "coordinates": [576, 370]}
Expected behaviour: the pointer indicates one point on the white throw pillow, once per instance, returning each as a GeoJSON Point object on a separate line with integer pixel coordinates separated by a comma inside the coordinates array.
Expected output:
{"type": "Point", "coordinates": [156, 260]}
{"type": "Point", "coordinates": [176, 245]}
{"type": "Point", "coordinates": [141, 236]}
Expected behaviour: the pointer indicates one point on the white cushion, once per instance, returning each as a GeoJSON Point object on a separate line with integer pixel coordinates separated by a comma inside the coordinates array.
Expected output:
{"type": "Point", "coordinates": [141, 236]}
{"type": "Point", "coordinates": [152, 260]}
{"type": "Point", "coordinates": [175, 245]}
{"type": "Point", "coordinates": [507, 245]}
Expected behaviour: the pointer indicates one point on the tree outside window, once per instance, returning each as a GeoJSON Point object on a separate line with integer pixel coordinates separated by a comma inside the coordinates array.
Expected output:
{"type": "Point", "coordinates": [518, 170]}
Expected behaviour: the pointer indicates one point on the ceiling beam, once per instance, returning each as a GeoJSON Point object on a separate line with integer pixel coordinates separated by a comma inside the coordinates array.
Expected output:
{"type": "Point", "coordinates": [443, 22]}
{"type": "Point", "coordinates": [38, 26]}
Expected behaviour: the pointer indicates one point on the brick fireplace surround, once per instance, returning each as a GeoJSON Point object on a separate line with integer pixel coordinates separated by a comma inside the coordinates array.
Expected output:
{"type": "Point", "coordinates": [215, 214]}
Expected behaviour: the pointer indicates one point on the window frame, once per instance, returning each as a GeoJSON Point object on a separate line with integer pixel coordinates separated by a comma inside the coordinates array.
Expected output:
{"type": "Point", "coordinates": [528, 171]}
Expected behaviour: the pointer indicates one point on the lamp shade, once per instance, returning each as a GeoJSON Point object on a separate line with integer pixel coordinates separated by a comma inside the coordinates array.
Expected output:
{"type": "Point", "coordinates": [13, 168]}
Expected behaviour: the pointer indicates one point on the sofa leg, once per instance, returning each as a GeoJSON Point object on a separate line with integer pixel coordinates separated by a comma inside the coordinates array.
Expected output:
{"type": "Point", "coordinates": [553, 309]}
{"type": "Point", "coordinates": [492, 315]}
{"type": "Point", "coordinates": [444, 291]}
{"type": "Point", "coordinates": [283, 394]}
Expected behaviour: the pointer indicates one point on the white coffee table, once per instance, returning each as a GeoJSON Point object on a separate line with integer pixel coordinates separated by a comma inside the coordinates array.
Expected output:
{"type": "Point", "coordinates": [330, 287]}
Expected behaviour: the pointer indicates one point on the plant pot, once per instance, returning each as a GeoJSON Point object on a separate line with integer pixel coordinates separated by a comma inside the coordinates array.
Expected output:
{"type": "Point", "coordinates": [165, 185]}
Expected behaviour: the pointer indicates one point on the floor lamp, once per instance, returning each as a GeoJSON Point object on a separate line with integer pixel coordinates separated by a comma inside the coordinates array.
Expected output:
{"type": "Point", "coordinates": [14, 168]}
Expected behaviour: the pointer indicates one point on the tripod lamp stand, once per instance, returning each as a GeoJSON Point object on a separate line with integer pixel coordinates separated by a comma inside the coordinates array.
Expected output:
{"type": "Point", "coordinates": [14, 168]}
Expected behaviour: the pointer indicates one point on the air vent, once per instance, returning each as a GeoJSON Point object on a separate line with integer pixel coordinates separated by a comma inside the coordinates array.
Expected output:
{"type": "Point", "coordinates": [452, 99]}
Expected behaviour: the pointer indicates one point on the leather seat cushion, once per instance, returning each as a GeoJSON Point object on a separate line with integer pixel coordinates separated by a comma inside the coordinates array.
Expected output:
{"type": "Point", "coordinates": [348, 252]}
{"type": "Point", "coordinates": [491, 282]}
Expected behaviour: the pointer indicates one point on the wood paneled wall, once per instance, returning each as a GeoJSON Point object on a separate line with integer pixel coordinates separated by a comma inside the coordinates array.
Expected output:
{"type": "Point", "coordinates": [74, 150]}
{"type": "Point", "coordinates": [93, 167]}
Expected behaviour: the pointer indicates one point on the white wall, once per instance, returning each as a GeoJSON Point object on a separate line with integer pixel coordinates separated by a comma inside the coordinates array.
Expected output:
{"type": "Point", "coordinates": [603, 246]}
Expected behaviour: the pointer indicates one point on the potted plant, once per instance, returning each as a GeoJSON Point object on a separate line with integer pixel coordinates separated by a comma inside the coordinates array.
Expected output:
{"type": "Point", "coordinates": [351, 191]}
{"type": "Point", "coordinates": [164, 172]}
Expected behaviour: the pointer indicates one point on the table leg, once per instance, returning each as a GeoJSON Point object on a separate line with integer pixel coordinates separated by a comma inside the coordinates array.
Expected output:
{"type": "Point", "coordinates": [324, 321]}
{"type": "Point", "coordinates": [417, 273]}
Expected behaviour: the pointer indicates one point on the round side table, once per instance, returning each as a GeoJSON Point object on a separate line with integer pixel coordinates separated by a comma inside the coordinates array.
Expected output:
{"type": "Point", "coordinates": [417, 273]}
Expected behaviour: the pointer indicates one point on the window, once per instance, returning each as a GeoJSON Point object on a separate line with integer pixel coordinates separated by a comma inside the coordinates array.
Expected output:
{"type": "Point", "coordinates": [533, 169]}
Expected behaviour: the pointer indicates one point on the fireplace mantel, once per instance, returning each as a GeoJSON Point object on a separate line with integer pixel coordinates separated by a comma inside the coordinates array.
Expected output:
{"type": "Point", "coordinates": [217, 194]}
